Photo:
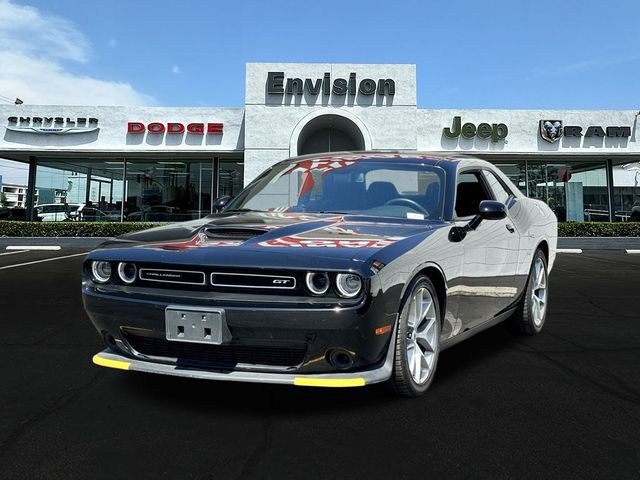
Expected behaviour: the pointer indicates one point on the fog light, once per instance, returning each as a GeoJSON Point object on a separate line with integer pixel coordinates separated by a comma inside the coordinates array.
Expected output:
{"type": "Point", "coordinates": [101, 271]}
{"type": "Point", "coordinates": [127, 272]}
{"type": "Point", "coordinates": [317, 282]}
{"type": "Point", "coordinates": [348, 284]}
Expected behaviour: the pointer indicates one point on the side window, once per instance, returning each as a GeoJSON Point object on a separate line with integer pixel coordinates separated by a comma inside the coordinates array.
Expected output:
{"type": "Point", "coordinates": [470, 191]}
{"type": "Point", "coordinates": [500, 193]}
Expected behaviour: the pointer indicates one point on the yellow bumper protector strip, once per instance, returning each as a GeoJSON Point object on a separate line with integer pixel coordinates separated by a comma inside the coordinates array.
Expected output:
{"type": "Point", "coordinates": [104, 362]}
{"type": "Point", "coordinates": [328, 382]}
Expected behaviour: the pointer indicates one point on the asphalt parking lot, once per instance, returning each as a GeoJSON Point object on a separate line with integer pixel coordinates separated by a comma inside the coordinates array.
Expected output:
{"type": "Point", "coordinates": [563, 404]}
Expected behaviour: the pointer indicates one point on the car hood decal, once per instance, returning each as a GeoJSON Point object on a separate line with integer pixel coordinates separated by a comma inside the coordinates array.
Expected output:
{"type": "Point", "coordinates": [263, 238]}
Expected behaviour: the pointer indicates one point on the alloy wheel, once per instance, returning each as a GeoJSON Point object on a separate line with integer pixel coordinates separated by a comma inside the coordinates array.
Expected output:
{"type": "Point", "coordinates": [422, 335]}
{"type": "Point", "coordinates": [539, 292]}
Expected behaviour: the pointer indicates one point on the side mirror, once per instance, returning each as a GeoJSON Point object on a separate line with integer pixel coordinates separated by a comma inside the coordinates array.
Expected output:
{"type": "Point", "coordinates": [487, 210]}
{"type": "Point", "coordinates": [492, 210]}
{"type": "Point", "coordinates": [221, 202]}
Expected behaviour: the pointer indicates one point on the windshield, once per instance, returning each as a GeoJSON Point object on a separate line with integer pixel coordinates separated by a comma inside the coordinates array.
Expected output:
{"type": "Point", "coordinates": [390, 189]}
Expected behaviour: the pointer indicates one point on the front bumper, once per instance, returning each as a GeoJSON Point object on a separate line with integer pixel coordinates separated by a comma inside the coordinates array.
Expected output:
{"type": "Point", "coordinates": [109, 358]}
{"type": "Point", "coordinates": [134, 319]}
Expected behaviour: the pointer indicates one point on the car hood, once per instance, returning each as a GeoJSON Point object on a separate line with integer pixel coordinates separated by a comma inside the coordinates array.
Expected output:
{"type": "Point", "coordinates": [269, 239]}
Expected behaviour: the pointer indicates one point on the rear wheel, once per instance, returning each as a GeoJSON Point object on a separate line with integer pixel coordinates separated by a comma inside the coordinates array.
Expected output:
{"type": "Point", "coordinates": [532, 311]}
{"type": "Point", "coordinates": [417, 342]}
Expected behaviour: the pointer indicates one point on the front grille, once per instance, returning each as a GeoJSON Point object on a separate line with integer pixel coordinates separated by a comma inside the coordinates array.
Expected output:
{"type": "Point", "coordinates": [185, 277]}
{"type": "Point", "coordinates": [252, 280]}
{"type": "Point", "coordinates": [223, 356]}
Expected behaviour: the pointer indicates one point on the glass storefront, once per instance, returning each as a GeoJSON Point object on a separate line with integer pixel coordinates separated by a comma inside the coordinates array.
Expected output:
{"type": "Point", "coordinates": [575, 190]}
{"type": "Point", "coordinates": [133, 189]}
{"type": "Point", "coordinates": [626, 191]}
{"type": "Point", "coordinates": [168, 190]}
{"type": "Point", "coordinates": [175, 189]}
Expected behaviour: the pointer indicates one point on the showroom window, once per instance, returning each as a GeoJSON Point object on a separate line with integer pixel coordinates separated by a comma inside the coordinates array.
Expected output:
{"type": "Point", "coordinates": [135, 189]}
{"type": "Point", "coordinates": [575, 190]}
{"type": "Point", "coordinates": [95, 185]}
{"type": "Point", "coordinates": [169, 190]}
{"type": "Point", "coordinates": [626, 191]}
{"type": "Point", "coordinates": [516, 172]}
{"type": "Point", "coordinates": [230, 177]}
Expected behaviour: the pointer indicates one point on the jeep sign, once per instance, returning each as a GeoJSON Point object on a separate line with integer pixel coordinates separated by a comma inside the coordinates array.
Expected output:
{"type": "Point", "coordinates": [494, 131]}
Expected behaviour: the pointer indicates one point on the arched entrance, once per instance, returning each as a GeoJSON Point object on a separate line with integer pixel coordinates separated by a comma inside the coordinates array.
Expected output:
{"type": "Point", "coordinates": [330, 133]}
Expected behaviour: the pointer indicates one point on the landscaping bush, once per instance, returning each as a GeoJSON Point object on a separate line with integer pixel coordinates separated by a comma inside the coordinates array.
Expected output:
{"type": "Point", "coordinates": [599, 229]}
{"type": "Point", "coordinates": [71, 229]}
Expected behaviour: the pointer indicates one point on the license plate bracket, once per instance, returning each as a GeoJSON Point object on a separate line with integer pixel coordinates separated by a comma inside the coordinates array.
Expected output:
{"type": "Point", "coordinates": [196, 325]}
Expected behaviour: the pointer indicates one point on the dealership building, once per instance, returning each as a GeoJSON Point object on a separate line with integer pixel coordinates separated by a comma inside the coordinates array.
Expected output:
{"type": "Point", "coordinates": [157, 163]}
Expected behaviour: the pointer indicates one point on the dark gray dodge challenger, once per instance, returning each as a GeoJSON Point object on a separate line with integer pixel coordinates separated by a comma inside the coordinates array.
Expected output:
{"type": "Point", "coordinates": [332, 270]}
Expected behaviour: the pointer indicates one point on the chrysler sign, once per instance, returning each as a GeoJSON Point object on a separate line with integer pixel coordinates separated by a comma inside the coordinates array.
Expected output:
{"type": "Point", "coordinates": [52, 125]}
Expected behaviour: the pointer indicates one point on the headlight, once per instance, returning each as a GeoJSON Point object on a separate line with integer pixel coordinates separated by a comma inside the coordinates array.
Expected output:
{"type": "Point", "coordinates": [348, 284]}
{"type": "Point", "coordinates": [127, 272]}
{"type": "Point", "coordinates": [317, 282]}
{"type": "Point", "coordinates": [101, 271]}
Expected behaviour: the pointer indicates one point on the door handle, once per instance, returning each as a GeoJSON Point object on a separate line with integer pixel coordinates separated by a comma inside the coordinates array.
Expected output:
{"type": "Point", "coordinates": [510, 228]}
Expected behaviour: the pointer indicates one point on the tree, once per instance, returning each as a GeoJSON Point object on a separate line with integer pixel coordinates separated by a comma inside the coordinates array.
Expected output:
{"type": "Point", "coordinates": [3, 199]}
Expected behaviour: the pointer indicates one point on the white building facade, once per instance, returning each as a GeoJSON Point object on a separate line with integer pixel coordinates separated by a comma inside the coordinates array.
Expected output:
{"type": "Point", "coordinates": [168, 164]}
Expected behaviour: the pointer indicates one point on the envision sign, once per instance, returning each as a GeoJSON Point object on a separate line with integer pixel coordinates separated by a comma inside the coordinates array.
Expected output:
{"type": "Point", "coordinates": [278, 85]}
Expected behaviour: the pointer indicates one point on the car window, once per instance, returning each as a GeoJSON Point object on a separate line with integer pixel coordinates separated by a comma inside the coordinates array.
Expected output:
{"type": "Point", "coordinates": [378, 188]}
{"type": "Point", "coordinates": [52, 208]}
{"type": "Point", "coordinates": [500, 193]}
{"type": "Point", "coordinates": [470, 191]}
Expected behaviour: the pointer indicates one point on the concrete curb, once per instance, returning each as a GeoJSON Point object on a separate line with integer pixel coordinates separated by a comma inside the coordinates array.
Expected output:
{"type": "Point", "coordinates": [599, 243]}
{"type": "Point", "coordinates": [64, 242]}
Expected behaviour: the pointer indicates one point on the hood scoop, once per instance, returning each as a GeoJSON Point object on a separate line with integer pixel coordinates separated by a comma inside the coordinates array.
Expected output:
{"type": "Point", "coordinates": [233, 232]}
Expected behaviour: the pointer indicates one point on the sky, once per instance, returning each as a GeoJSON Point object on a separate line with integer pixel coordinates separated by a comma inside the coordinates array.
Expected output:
{"type": "Point", "coordinates": [469, 54]}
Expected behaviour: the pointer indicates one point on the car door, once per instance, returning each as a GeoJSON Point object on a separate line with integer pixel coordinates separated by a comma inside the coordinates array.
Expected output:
{"type": "Point", "coordinates": [490, 251]}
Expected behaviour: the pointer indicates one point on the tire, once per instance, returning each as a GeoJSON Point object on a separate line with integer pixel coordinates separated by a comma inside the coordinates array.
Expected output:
{"type": "Point", "coordinates": [531, 314]}
{"type": "Point", "coordinates": [425, 339]}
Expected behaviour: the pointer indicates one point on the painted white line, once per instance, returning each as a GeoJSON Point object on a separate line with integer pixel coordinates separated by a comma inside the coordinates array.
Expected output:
{"type": "Point", "coordinates": [40, 261]}
{"type": "Point", "coordinates": [11, 253]}
{"type": "Point", "coordinates": [569, 250]}
{"type": "Point", "coordinates": [33, 247]}
{"type": "Point", "coordinates": [632, 251]}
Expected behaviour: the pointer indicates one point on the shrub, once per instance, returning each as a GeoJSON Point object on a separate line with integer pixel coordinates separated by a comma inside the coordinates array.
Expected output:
{"type": "Point", "coordinates": [599, 229]}
{"type": "Point", "coordinates": [71, 229]}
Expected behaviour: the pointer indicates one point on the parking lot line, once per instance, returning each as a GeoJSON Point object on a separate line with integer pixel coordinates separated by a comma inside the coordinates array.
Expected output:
{"type": "Point", "coordinates": [33, 247]}
{"type": "Point", "coordinates": [569, 250]}
{"type": "Point", "coordinates": [11, 253]}
{"type": "Point", "coordinates": [41, 261]}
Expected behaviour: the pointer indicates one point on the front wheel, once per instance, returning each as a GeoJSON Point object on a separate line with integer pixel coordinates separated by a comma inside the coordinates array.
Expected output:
{"type": "Point", "coordinates": [531, 314]}
{"type": "Point", "coordinates": [417, 342]}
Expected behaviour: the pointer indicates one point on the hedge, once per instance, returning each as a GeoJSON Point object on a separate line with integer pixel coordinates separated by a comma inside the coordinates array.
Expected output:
{"type": "Point", "coordinates": [71, 229]}
{"type": "Point", "coordinates": [599, 229]}
{"type": "Point", "coordinates": [112, 229]}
